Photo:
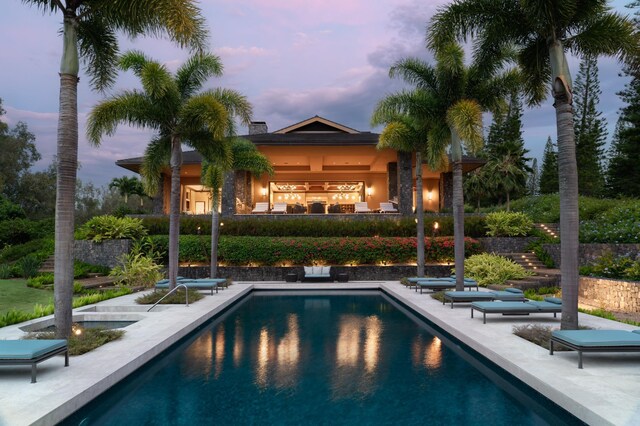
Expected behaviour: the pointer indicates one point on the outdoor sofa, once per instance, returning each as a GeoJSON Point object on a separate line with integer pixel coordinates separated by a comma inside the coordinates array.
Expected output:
{"type": "Point", "coordinates": [31, 352]}
{"type": "Point", "coordinates": [596, 341]}
{"type": "Point", "coordinates": [549, 306]}
{"type": "Point", "coordinates": [508, 295]}
{"type": "Point", "coordinates": [317, 273]}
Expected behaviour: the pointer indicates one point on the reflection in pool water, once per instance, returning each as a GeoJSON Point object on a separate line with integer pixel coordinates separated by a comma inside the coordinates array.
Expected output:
{"type": "Point", "coordinates": [350, 359]}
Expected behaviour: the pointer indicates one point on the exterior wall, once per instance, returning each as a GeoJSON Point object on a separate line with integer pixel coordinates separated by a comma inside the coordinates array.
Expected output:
{"type": "Point", "coordinates": [278, 273]}
{"type": "Point", "coordinates": [612, 295]}
{"type": "Point", "coordinates": [506, 244]}
{"type": "Point", "coordinates": [106, 253]}
{"type": "Point", "coordinates": [589, 253]}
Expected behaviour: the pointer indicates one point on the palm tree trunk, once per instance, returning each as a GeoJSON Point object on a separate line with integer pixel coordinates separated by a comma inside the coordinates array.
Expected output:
{"type": "Point", "coordinates": [569, 225]}
{"type": "Point", "coordinates": [67, 146]}
{"type": "Point", "coordinates": [174, 210]}
{"type": "Point", "coordinates": [419, 215]}
{"type": "Point", "coordinates": [215, 234]}
{"type": "Point", "coordinates": [458, 211]}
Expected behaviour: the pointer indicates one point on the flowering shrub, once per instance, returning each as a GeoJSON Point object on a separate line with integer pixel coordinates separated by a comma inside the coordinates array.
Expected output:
{"type": "Point", "coordinates": [242, 251]}
{"type": "Point", "coordinates": [619, 225]}
{"type": "Point", "coordinates": [493, 269]}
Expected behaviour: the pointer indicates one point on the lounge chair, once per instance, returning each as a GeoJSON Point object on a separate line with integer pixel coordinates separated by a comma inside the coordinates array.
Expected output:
{"type": "Point", "coordinates": [361, 207]}
{"type": "Point", "coordinates": [516, 308]}
{"type": "Point", "coordinates": [387, 208]}
{"type": "Point", "coordinates": [509, 295]}
{"type": "Point", "coordinates": [437, 284]}
{"type": "Point", "coordinates": [279, 208]}
{"type": "Point", "coordinates": [22, 352]}
{"type": "Point", "coordinates": [414, 280]}
{"type": "Point", "coordinates": [596, 341]}
{"type": "Point", "coordinates": [261, 208]}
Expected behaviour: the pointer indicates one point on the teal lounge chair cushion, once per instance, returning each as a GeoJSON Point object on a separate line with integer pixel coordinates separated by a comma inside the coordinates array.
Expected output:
{"type": "Point", "coordinates": [513, 290]}
{"type": "Point", "coordinates": [475, 295]}
{"type": "Point", "coordinates": [595, 338]}
{"type": "Point", "coordinates": [30, 349]}
{"type": "Point", "coordinates": [546, 306]}
{"type": "Point", "coordinates": [555, 300]}
{"type": "Point", "coordinates": [636, 331]}
{"type": "Point", "coordinates": [499, 307]}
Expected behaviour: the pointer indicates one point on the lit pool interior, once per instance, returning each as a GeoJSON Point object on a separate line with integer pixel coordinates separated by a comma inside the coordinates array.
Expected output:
{"type": "Point", "coordinates": [315, 359]}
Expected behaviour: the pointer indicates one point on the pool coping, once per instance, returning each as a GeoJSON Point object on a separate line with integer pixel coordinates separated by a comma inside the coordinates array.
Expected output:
{"type": "Point", "coordinates": [61, 391]}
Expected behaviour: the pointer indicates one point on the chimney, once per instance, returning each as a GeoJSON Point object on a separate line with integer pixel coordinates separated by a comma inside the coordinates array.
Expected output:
{"type": "Point", "coordinates": [258, 128]}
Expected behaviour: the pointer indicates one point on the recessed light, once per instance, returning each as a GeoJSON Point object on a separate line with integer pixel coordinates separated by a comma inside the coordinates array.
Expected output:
{"type": "Point", "coordinates": [286, 162]}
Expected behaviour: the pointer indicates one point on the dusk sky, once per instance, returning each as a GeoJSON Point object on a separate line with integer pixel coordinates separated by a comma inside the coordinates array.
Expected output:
{"type": "Point", "coordinates": [293, 59]}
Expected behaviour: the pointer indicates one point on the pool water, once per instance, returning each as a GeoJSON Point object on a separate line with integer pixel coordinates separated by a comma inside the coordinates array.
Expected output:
{"type": "Point", "coordinates": [310, 359]}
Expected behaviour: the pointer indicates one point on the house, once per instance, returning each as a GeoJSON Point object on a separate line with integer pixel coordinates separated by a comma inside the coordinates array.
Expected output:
{"type": "Point", "coordinates": [320, 167]}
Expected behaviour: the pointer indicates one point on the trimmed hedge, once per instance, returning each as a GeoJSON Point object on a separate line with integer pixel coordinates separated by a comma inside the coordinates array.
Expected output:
{"type": "Point", "coordinates": [474, 226]}
{"type": "Point", "coordinates": [242, 251]}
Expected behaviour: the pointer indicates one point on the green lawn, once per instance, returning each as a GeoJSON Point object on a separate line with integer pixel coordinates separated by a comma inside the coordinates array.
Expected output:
{"type": "Point", "coordinates": [14, 294]}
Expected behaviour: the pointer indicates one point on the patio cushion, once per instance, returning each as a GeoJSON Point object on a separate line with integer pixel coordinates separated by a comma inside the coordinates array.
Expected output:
{"type": "Point", "coordinates": [589, 338]}
{"type": "Point", "coordinates": [30, 349]}
{"type": "Point", "coordinates": [505, 306]}
{"type": "Point", "coordinates": [308, 270]}
{"type": "Point", "coordinates": [513, 290]}
{"type": "Point", "coordinates": [555, 300]}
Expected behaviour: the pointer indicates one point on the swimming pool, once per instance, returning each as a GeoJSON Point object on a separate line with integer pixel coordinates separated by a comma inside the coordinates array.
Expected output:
{"type": "Point", "coordinates": [318, 359]}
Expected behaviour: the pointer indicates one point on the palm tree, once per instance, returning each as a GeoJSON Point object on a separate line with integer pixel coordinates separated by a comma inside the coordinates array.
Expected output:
{"type": "Point", "coordinates": [171, 105]}
{"type": "Point", "coordinates": [404, 132]}
{"type": "Point", "coordinates": [447, 105]}
{"type": "Point", "coordinates": [127, 186]}
{"type": "Point", "coordinates": [506, 175]}
{"type": "Point", "coordinates": [542, 32]}
{"type": "Point", "coordinates": [245, 156]}
{"type": "Point", "coordinates": [89, 33]}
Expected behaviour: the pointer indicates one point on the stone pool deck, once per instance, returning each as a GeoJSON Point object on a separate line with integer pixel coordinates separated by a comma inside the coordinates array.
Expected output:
{"type": "Point", "coordinates": [606, 391]}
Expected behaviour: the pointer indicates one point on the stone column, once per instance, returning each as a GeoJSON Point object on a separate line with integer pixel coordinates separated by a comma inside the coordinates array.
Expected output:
{"type": "Point", "coordinates": [392, 180]}
{"type": "Point", "coordinates": [228, 195]}
{"type": "Point", "coordinates": [446, 191]}
{"type": "Point", "coordinates": [405, 184]}
{"type": "Point", "coordinates": [157, 201]}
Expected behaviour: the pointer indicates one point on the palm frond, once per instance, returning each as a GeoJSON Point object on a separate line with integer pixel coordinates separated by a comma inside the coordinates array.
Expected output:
{"type": "Point", "coordinates": [130, 108]}
{"type": "Point", "coordinates": [212, 177]}
{"type": "Point", "coordinates": [534, 62]}
{"type": "Point", "coordinates": [465, 119]}
{"type": "Point", "coordinates": [203, 112]}
{"type": "Point", "coordinates": [247, 157]}
{"type": "Point", "coordinates": [610, 34]}
{"type": "Point", "coordinates": [236, 105]}
{"type": "Point", "coordinates": [156, 158]}
{"type": "Point", "coordinates": [195, 71]}
{"type": "Point", "coordinates": [415, 72]}
{"type": "Point", "coordinates": [398, 136]}
{"type": "Point", "coordinates": [436, 152]}
{"type": "Point", "coordinates": [98, 48]}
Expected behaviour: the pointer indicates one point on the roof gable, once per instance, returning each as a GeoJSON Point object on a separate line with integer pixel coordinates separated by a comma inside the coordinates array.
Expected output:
{"type": "Point", "coordinates": [317, 124]}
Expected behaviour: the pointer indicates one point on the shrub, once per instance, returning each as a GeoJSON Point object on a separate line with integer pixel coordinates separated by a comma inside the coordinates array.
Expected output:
{"type": "Point", "coordinates": [82, 269]}
{"type": "Point", "coordinates": [40, 281]}
{"type": "Point", "coordinates": [9, 210]}
{"type": "Point", "coordinates": [618, 225]}
{"type": "Point", "coordinates": [608, 266]}
{"type": "Point", "coordinates": [29, 266]}
{"type": "Point", "coordinates": [308, 227]}
{"type": "Point", "coordinates": [493, 269]}
{"type": "Point", "coordinates": [41, 248]}
{"type": "Point", "coordinates": [508, 224]}
{"type": "Point", "coordinates": [5, 271]}
{"type": "Point", "coordinates": [277, 251]}
{"type": "Point", "coordinates": [174, 299]}
{"type": "Point", "coordinates": [20, 231]}
{"type": "Point", "coordinates": [106, 227]}
{"type": "Point", "coordinates": [136, 270]}
{"type": "Point", "coordinates": [81, 343]}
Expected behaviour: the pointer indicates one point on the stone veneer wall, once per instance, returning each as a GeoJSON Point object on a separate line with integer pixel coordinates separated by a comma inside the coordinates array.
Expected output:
{"type": "Point", "coordinates": [506, 244]}
{"type": "Point", "coordinates": [589, 253]}
{"type": "Point", "coordinates": [105, 253]}
{"type": "Point", "coordinates": [609, 294]}
{"type": "Point", "coordinates": [278, 273]}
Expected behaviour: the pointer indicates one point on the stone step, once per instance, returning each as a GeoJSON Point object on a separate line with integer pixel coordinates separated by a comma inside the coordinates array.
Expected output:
{"type": "Point", "coordinates": [48, 265]}
{"type": "Point", "coordinates": [552, 229]}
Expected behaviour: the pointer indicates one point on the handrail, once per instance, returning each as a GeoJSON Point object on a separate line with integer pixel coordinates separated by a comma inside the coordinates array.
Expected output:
{"type": "Point", "coordinates": [186, 296]}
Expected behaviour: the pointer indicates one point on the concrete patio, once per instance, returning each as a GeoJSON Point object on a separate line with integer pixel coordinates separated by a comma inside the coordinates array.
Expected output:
{"type": "Point", "coordinates": [606, 391]}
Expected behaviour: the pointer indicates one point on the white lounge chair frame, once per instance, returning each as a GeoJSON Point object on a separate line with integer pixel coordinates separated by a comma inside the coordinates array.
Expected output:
{"type": "Point", "coordinates": [279, 208]}
{"type": "Point", "coordinates": [362, 207]}
{"type": "Point", "coordinates": [387, 208]}
{"type": "Point", "coordinates": [261, 208]}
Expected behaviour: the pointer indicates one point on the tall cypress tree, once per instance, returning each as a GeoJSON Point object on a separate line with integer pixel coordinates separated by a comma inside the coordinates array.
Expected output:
{"type": "Point", "coordinates": [590, 129]}
{"type": "Point", "coordinates": [549, 183]}
{"type": "Point", "coordinates": [505, 145]}
{"type": "Point", "coordinates": [533, 182]}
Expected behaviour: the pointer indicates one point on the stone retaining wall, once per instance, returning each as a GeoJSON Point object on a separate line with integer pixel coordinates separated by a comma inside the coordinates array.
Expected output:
{"type": "Point", "coordinates": [105, 253]}
{"type": "Point", "coordinates": [278, 273]}
{"type": "Point", "coordinates": [589, 253]}
{"type": "Point", "coordinates": [609, 294]}
{"type": "Point", "coordinates": [506, 244]}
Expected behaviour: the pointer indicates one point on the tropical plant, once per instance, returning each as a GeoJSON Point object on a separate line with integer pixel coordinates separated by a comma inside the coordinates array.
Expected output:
{"type": "Point", "coordinates": [508, 224]}
{"type": "Point", "coordinates": [111, 228]}
{"type": "Point", "coordinates": [127, 186]}
{"type": "Point", "coordinates": [445, 110]}
{"type": "Point", "coordinates": [29, 266]}
{"type": "Point", "coordinates": [489, 269]}
{"type": "Point", "coordinates": [89, 33]}
{"type": "Point", "coordinates": [136, 270]}
{"type": "Point", "coordinates": [173, 106]}
{"type": "Point", "coordinates": [245, 156]}
{"type": "Point", "coordinates": [543, 31]}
